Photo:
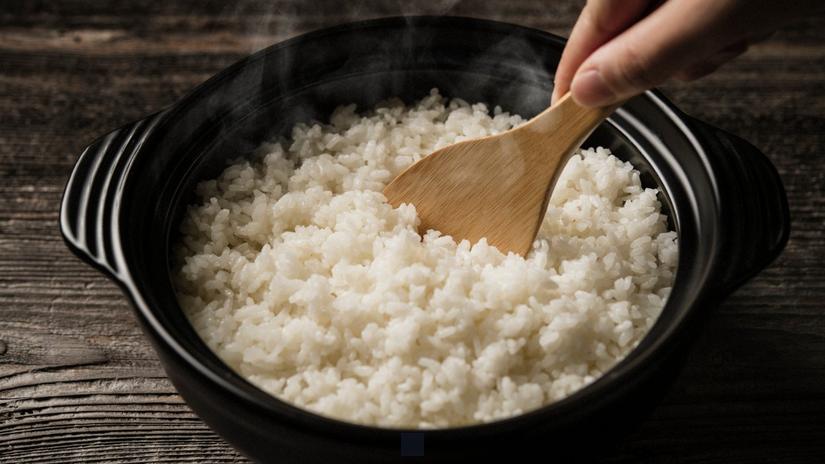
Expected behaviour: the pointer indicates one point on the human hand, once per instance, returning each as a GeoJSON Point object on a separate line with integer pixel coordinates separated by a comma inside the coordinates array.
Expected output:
{"type": "Point", "coordinates": [620, 48]}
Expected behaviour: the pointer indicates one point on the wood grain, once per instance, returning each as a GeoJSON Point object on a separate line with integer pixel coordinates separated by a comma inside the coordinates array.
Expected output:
{"type": "Point", "coordinates": [477, 189]}
{"type": "Point", "coordinates": [78, 381]}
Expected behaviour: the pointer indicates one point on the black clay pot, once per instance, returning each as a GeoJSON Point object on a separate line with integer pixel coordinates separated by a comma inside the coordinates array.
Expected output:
{"type": "Point", "coordinates": [124, 200]}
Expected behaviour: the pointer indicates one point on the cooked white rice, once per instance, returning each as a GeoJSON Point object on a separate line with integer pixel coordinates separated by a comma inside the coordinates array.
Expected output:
{"type": "Point", "coordinates": [301, 277]}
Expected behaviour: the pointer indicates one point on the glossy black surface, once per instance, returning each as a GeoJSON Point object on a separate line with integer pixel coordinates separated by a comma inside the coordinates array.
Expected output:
{"type": "Point", "coordinates": [124, 200]}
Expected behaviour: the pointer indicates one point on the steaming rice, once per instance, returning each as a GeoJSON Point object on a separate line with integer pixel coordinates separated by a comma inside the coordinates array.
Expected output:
{"type": "Point", "coordinates": [300, 276]}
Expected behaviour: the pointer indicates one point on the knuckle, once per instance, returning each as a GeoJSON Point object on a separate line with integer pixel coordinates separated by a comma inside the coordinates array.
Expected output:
{"type": "Point", "coordinates": [596, 13]}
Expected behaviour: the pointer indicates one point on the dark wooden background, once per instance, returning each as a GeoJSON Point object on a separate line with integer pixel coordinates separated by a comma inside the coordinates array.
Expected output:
{"type": "Point", "coordinates": [79, 382]}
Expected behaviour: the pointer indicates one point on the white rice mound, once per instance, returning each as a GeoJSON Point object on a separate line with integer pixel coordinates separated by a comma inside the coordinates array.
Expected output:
{"type": "Point", "coordinates": [299, 275]}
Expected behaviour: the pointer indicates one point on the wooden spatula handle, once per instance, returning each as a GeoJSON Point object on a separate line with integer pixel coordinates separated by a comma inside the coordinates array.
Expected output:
{"type": "Point", "coordinates": [567, 122]}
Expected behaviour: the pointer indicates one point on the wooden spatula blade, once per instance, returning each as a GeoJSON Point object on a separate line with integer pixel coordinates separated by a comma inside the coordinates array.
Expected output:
{"type": "Point", "coordinates": [502, 206]}
{"type": "Point", "coordinates": [495, 187]}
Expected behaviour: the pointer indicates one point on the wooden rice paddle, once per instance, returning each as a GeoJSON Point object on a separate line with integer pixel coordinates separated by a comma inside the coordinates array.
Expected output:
{"type": "Point", "coordinates": [498, 186]}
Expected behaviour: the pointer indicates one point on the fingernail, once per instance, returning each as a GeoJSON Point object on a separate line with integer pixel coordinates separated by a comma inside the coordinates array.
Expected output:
{"type": "Point", "coordinates": [590, 89]}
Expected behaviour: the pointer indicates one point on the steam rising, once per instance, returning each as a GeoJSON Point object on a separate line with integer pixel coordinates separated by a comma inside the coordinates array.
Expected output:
{"type": "Point", "coordinates": [510, 72]}
{"type": "Point", "coordinates": [264, 23]}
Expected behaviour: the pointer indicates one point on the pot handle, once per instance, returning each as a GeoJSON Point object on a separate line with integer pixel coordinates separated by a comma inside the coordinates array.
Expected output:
{"type": "Point", "coordinates": [89, 207]}
{"type": "Point", "coordinates": [754, 209]}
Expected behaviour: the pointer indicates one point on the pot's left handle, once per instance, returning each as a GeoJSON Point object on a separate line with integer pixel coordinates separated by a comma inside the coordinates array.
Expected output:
{"type": "Point", "coordinates": [91, 200]}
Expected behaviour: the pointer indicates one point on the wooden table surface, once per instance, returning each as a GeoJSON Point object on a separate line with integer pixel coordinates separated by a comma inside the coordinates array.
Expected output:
{"type": "Point", "coordinates": [78, 380]}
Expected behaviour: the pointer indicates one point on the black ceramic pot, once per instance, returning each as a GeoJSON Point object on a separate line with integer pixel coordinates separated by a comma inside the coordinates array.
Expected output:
{"type": "Point", "coordinates": [126, 195]}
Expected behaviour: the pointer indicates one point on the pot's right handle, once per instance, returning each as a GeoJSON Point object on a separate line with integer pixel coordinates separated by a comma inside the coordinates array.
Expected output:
{"type": "Point", "coordinates": [91, 200]}
{"type": "Point", "coordinates": [754, 208]}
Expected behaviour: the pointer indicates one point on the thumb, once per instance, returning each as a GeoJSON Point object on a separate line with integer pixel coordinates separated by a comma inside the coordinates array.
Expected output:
{"type": "Point", "coordinates": [647, 54]}
{"type": "Point", "coordinates": [603, 81]}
